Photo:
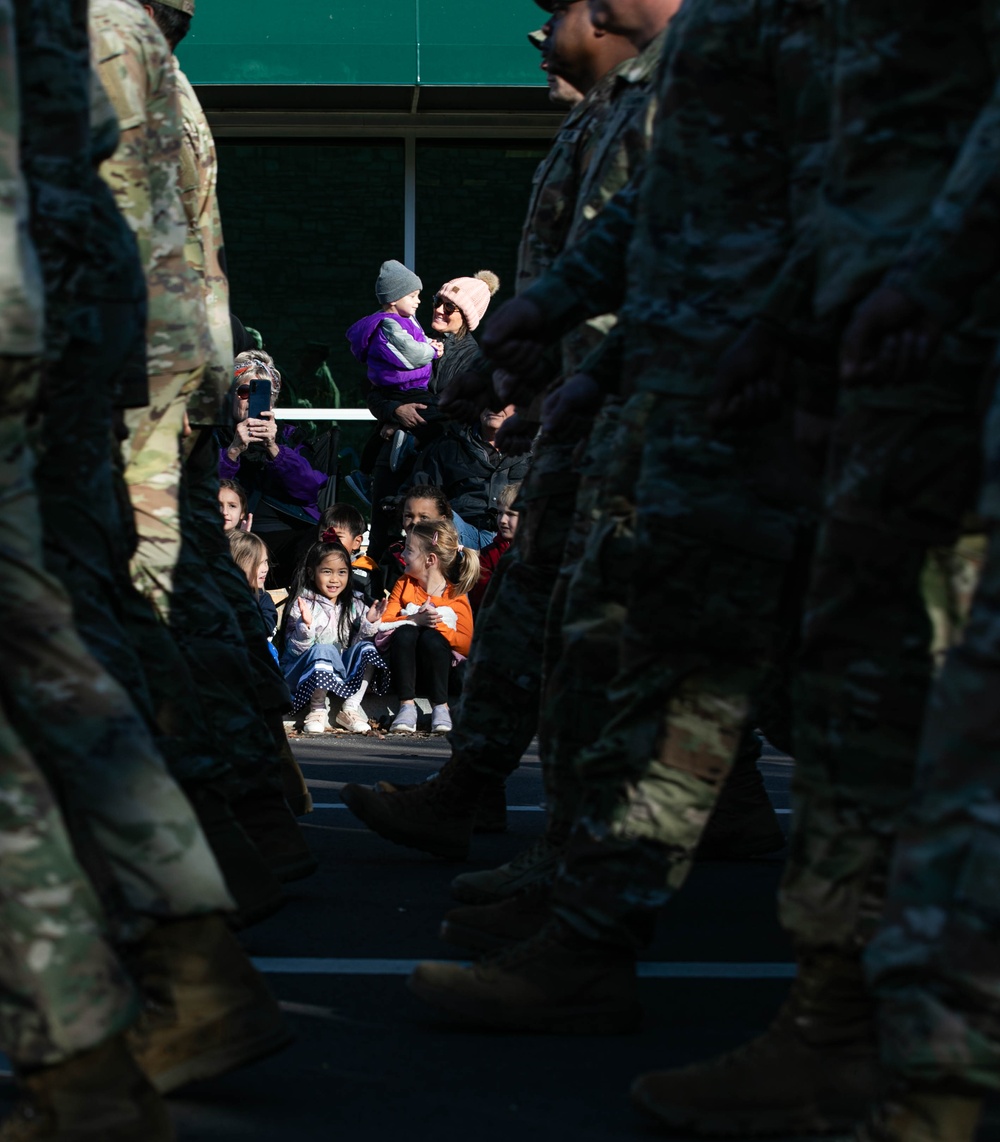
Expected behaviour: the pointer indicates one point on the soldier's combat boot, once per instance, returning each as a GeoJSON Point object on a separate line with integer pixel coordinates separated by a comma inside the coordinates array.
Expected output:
{"type": "Point", "coordinates": [268, 822]}
{"type": "Point", "coordinates": [555, 982]}
{"type": "Point", "coordinates": [536, 865]}
{"type": "Point", "coordinates": [915, 1116]}
{"type": "Point", "coordinates": [435, 816]}
{"type": "Point", "coordinates": [207, 1009]}
{"type": "Point", "coordinates": [491, 811]}
{"type": "Point", "coordinates": [100, 1095]}
{"type": "Point", "coordinates": [743, 824]}
{"type": "Point", "coordinates": [813, 1071]}
{"type": "Point", "coordinates": [489, 927]}
{"type": "Point", "coordinates": [252, 885]}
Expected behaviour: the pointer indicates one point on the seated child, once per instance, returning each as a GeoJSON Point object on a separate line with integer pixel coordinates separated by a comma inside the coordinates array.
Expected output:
{"type": "Point", "coordinates": [493, 552]}
{"type": "Point", "coordinates": [430, 619]}
{"type": "Point", "coordinates": [233, 505]}
{"type": "Point", "coordinates": [423, 502]}
{"type": "Point", "coordinates": [346, 523]}
{"type": "Point", "coordinates": [390, 342]}
{"type": "Point", "coordinates": [328, 647]}
{"type": "Point", "coordinates": [250, 554]}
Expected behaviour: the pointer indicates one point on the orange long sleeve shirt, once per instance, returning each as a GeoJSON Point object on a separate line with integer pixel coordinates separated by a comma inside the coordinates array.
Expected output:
{"type": "Point", "coordinates": [408, 590]}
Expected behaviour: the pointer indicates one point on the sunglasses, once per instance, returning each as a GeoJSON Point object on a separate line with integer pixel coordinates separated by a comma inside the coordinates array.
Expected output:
{"type": "Point", "coordinates": [440, 302]}
{"type": "Point", "coordinates": [243, 391]}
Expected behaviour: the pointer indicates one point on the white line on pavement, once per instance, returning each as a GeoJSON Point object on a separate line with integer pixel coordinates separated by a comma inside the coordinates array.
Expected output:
{"type": "Point", "coordinates": [279, 965]}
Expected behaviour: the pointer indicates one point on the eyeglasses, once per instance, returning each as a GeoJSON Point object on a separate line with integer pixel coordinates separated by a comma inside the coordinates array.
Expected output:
{"type": "Point", "coordinates": [243, 392]}
{"type": "Point", "coordinates": [440, 302]}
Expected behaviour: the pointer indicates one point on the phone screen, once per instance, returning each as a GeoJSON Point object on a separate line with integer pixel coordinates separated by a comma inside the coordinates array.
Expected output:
{"type": "Point", "coordinates": [260, 398]}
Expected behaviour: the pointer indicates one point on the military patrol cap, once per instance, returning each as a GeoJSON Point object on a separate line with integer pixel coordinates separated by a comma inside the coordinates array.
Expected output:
{"type": "Point", "coordinates": [180, 5]}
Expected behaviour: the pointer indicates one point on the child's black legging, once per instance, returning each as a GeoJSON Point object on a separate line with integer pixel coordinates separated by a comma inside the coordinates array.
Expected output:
{"type": "Point", "coordinates": [420, 654]}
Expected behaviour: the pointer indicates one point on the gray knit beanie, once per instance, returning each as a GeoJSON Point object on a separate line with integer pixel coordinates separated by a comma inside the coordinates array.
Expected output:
{"type": "Point", "coordinates": [395, 281]}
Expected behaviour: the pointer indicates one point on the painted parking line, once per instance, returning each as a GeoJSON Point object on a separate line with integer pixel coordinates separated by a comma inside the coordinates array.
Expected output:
{"type": "Point", "coordinates": [281, 965]}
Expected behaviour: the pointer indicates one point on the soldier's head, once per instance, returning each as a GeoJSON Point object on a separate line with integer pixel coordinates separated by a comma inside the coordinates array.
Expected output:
{"type": "Point", "coordinates": [640, 21]}
{"type": "Point", "coordinates": [173, 18]}
{"type": "Point", "coordinates": [577, 51]}
{"type": "Point", "coordinates": [561, 91]}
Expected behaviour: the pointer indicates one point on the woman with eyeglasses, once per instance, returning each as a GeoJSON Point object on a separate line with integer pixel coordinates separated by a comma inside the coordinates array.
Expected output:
{"type": "Point", "coordinates": [410, 425]}
{"type": "Point", "coordinates": [281, 485]}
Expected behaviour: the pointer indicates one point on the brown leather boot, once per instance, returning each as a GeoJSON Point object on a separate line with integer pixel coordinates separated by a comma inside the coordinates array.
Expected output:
{"type": "Point", "coordinates": [490, 927]}
{"type": "Point", "coordinates": [251, 883]}
{"type": "Point", "coordinates": [535, 865]}
{"type": "Point", "coordinates": [269, 823]}
{"type": "Point", "coordinates": [435, 816]}
{"type": "Point", "coordinates": [491, 811]}
{"type": "Point", "coordinates": [555, 982]}
{"type": "Point", "coordinates": [915, 1116]}
{"type": "Point", "coordinates": [208, 1010]}
{"type": "Point", "coordinates": [813, 1071]}
{"type": "Point", "coordinates": [100, 1095]}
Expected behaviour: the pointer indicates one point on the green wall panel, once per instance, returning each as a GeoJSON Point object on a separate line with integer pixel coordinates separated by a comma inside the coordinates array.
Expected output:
{"type": "Point", "coordinates": [436, 42]}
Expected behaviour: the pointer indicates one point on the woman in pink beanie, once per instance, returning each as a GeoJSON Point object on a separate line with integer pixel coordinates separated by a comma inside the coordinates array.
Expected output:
{"type": "Point", "coordinates": [469, 296]}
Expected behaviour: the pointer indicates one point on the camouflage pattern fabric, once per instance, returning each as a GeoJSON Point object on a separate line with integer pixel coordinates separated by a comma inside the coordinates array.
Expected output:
{"type": "Point", "coordinates": [699, 539]}
{"type": "Point", "coordinates": [602, 141]}
{"type": "Point", "coordinates": [61, 988]}
{"type": "Point", "coordinates": [203, 251]}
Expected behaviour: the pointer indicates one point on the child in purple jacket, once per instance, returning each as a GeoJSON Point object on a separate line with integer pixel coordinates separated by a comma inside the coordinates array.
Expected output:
{"type": "Point", "coordinates": [391, 343]}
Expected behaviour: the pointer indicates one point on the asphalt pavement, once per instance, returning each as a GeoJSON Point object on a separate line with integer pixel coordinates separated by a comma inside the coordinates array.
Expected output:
{"type": "Point", "coordinates": [371, 1062]}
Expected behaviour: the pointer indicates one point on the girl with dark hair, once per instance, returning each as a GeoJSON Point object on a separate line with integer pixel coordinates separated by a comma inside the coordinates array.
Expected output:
{"type": "Point", "coordinates": [430, 620]}
{"type": "Point", "coordinates": [328, 647]}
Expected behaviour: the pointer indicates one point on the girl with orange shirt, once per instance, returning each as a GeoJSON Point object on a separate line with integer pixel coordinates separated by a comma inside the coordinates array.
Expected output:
{"type": "Point", "coordinates": [430, 619]}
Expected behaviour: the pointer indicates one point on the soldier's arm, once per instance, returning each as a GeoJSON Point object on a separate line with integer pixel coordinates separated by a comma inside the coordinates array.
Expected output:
{"type": "Point", "coordinates": [589, 278]}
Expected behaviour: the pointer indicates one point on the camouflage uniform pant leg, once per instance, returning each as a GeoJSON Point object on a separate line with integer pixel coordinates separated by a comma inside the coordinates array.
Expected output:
{"type": "Point", "coordinates": [712, 597]}
{"type": "Point", "coordinates": [585, 618]}
{"type": "Point", "coordinates": [62, 989]}
{"type": "Point", "coordinates": [935, 960]}
{"type": "Point", "coordinates": [135, 832]}
{"type": "Point", "coordinates": [498, 713]}
{"type": "Point", "coordinates": [88, 534]}
{"type": "Point", "coordinates": [900, 483]}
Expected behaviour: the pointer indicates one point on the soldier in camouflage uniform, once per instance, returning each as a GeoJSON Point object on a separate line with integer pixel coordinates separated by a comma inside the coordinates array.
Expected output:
{"type": "Point", "coordinates": [168, 475]}
{"type": "Point", "coordinates": [720, 525]}
{"type": "Point", "coordinates": [901, 472]}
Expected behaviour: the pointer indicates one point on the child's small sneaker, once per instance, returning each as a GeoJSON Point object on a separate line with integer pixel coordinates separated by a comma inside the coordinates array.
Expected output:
{"type": "Point", "coordinates": [352, 719]}
{"type": "Point", "coordinates": [440, 720]}
{"type": "Point", "coordinates": [315, 722]}
{"type": "Point", "coordinates": [405, 721]}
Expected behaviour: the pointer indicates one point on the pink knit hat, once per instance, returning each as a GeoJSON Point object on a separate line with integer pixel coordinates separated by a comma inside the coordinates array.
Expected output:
{"type": "Point", "coordinates": [471, 295]}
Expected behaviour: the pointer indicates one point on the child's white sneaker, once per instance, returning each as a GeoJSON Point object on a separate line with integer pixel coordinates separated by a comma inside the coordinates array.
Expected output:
{"type": "Point", "coordinates": [405, 721]}
{"type": "Point", "coordinates": [440, 720]}
{"type": "Point", "coordinates": [352, 719]}
{"type": "Point", "coordinates": [316, 721]}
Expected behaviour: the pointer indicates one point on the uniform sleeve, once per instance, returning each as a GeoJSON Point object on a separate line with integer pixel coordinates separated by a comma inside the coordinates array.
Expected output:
{"type": "Point", "coordinates": [588, 279]}
{"type": "Point", "coordinates": [958, 247]}
{"type": "Point", "coordinates": [408, 351]}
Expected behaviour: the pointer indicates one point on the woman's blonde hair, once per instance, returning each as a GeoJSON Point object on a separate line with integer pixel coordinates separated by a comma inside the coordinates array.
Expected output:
{"type": "Point", "coordinates": [255, 364]}
{"type": "Point", "coordinates": [459, 565]}
{"type": "Point", "coordinates": [248, 551]}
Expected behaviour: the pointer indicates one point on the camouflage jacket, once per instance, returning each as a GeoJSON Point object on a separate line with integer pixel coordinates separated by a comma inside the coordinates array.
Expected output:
{"type": "Point", "coordinates": [22, 306]}
{"type": "Point", "coordinates": [136, 68]}
{"type": "Point", "coordinates": [618, 148]}
{"type": "Point", "coordinates": [203, 251]}
{"type": "Point", "coordinates": [688, 252]}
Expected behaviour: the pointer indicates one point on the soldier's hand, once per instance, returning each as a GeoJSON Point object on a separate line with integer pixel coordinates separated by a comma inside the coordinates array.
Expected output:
{"type": "Point", "coordinates": [888, 339]}
{"type": "Point", "coordinates": [465, 397]}
{"type": "Point", "coordinates": [409, 416]}
{"type": "Point", "coordinates": [750, 378]}
{"type": "Point", "coordinates": [305, 612]}
{"type": "Point", "coordinates": [568, 410]}
{"type": "Point", "coordinates": [515, 435]}
{"type": "Point", "coordinates": [515, 337]}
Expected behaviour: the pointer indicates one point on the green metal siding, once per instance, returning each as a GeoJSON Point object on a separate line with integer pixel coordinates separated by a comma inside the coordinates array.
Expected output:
{"type": "Point", "coordinates": [392, 42]}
